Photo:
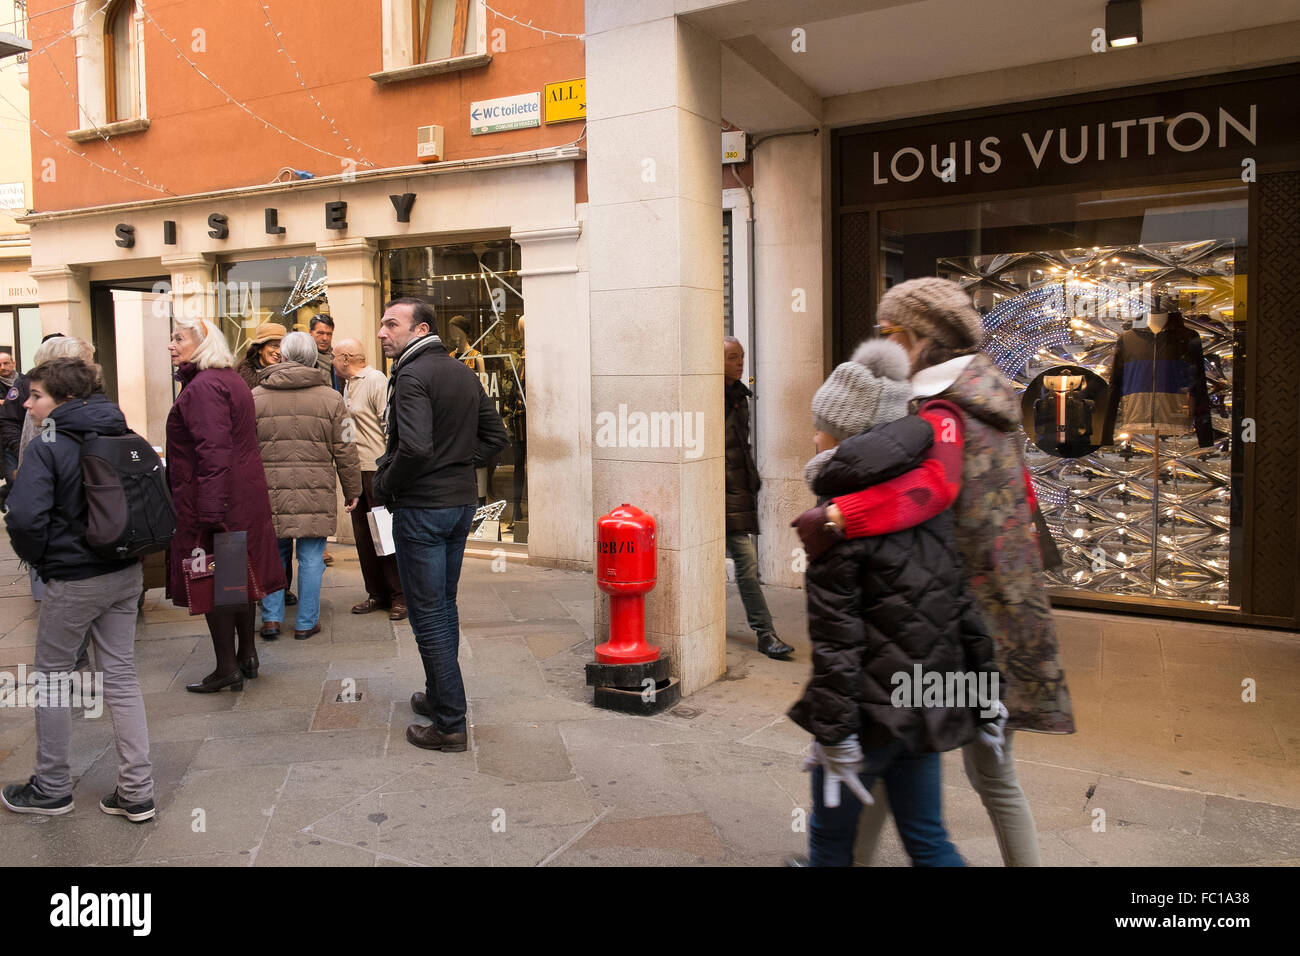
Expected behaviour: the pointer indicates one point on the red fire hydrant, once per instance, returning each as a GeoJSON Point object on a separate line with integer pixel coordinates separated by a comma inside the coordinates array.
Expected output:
{"type": "Point", "coordinates": [625, 570]}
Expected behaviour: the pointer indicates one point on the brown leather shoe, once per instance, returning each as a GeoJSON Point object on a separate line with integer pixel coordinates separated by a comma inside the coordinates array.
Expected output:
{"type": "Point", "coordinates": [368, 605]}
{"type": "Point", "coordinates": [397, 612]}
{"type": "Point", "coordinates": [430, 738]}
{"type": "Point", "coordinates": [303, 635]}
{"type": "Point", "coordinates": [270, 630]}
{"type": "Point", "coordinates": [420, 704]}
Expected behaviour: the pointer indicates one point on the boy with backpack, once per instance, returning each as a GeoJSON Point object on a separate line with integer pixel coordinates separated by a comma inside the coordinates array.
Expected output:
{"type": "Point", "coordinates": [52, 528]}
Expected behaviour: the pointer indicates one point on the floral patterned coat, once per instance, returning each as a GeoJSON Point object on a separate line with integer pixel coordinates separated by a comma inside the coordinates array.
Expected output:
{"type": "Point", "coordinates": [996, 538]}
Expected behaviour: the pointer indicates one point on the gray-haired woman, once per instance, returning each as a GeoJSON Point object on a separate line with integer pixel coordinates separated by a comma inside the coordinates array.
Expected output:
{"type": "Point", "coordinates": [305, 440]}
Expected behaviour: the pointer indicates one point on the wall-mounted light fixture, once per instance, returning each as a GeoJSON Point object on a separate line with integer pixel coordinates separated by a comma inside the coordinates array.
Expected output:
{"type": "Point", "coordinates": [1124, 22]}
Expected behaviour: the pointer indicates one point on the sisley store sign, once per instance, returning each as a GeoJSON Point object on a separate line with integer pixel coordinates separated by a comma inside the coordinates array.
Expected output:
{"type": "Point", "coordinates": [1238, 126]}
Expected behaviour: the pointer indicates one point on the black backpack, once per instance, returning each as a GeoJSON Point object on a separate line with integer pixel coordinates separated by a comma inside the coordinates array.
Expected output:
{"type": "Point", "coordinates": [129, 509]}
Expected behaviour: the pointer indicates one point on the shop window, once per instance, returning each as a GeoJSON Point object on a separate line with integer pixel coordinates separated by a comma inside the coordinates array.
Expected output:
{"type": "Point", "coordinates": [1119, 316]}
{"type": "Point", "coordinates": [288, 291]}
{"type": "Point", "coordinates": [20, 333]}
{"type": "Point", "coordinates": [110, 69]}
{"type": "Point", "coordinates": [477, 294]}
{"type": "Point", "coordinates": [424, 37]}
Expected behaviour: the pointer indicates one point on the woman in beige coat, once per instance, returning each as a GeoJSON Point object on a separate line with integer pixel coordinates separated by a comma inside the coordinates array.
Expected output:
{"type": "Point", "coordinates": [306, 439]}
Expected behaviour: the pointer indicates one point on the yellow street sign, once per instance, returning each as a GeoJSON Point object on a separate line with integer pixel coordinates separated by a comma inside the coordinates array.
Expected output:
{"type": "Point", "coordinates": [566, 101]}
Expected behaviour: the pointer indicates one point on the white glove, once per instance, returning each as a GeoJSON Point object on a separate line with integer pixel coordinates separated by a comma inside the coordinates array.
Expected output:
{"type": "Point", "coordinates": [993, 734]}
{"type": "Point", "coordinates": [841, 763]}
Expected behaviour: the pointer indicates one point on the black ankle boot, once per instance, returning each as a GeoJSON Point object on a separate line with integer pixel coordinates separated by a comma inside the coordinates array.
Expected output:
{"type": "Point", "coordinates": [774, 647]}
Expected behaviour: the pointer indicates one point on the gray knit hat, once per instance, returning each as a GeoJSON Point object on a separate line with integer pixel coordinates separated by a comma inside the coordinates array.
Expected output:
{"type": "Point", "coordinates": [870, 390]}
{"type": "Point", "coordinates": [935, 309]}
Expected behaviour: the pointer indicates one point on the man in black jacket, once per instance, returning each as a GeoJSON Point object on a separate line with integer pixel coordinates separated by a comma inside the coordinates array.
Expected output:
{"type": "Point", "coordinates": [742, 484]}
{"type": "Point", "coordinates": [441, 426]}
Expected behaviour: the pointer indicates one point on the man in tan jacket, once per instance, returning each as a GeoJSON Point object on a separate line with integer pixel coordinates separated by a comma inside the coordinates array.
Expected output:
{"type": "Point", "coordinates": [303, 432]}
{"type": "Point", "coordinates": [365, 393]}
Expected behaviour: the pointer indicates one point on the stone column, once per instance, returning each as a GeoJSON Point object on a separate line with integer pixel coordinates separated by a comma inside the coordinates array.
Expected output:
{"type": "Point", "coordinates": [144, 372]}
{"type": "Point", "coordinates": [193, 277]}
{"type": "Point", "coordinates": [64, 300]}
{"type": "Point", "coordinates": [654, 248]}
{"type": "Point", "coordinates": [557, 385]}
{"type": "Point", "coordinates": [788, 333]}
{"type": "Point", "coordinates": [354, 295]}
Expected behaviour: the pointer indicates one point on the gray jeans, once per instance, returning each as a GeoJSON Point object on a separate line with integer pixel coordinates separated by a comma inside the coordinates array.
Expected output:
{"type": "Point", "coordinates": [741, 549]}
{"type": "Point", "coordinates": [106, 608]}
{"type": "Point", "coordinates": [999, 790]}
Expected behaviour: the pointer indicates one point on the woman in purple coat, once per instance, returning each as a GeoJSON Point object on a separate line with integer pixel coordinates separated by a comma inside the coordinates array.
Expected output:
{"type": "Point", "coordinates": [214, 467]}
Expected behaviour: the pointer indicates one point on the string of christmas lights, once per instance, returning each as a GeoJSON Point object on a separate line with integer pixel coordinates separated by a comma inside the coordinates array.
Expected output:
{"type": "Point", "coordinates": [32, 16]}
{"type": "Point", "coordinates": [230, 99]}
{"type": "Point", "coordinates": [59, 38]}
{"type": "Point", "coordinates": [301, 82]}
{"type": "Point", "coordinates": [529, 26]}
{"type": "Point", "coordinates": [59, 143]}
{"type": "Point", "coordinates": [102, 135]}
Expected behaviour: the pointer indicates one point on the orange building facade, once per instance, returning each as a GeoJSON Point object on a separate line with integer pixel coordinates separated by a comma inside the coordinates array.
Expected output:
{"type": "Point", "coordinates": [278, 160]}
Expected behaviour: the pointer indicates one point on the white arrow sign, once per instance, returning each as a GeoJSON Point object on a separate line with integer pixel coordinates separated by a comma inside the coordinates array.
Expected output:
{"type": "Point", "coordinates": [504, 113]}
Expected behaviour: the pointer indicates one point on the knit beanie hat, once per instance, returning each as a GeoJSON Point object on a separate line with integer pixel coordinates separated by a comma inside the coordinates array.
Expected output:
{"type": "Point", "coordinates": [871, 389]}
{"type": "Point", "coordinates": [935, 309]}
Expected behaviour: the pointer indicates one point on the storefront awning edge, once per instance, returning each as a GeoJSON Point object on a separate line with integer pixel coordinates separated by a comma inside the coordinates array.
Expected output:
{"type": "Point", "coordinates": [560, 154]}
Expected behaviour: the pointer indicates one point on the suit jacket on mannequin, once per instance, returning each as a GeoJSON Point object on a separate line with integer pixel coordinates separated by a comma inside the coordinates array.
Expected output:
{"type": "Point", "coordinates": [1157, 384]}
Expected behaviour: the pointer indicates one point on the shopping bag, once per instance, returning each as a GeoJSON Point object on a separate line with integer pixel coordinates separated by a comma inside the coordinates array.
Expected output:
{"type": "Point", "coordinates": [230, 574]}
{"type": "Point", "coordinates": [205, 591]}
{"type": "Point", "coordinates": [381, 530]}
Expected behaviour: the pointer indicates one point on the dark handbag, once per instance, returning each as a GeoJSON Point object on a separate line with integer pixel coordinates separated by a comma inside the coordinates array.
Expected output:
{"type": "Point", "coordinates": [206, 589]}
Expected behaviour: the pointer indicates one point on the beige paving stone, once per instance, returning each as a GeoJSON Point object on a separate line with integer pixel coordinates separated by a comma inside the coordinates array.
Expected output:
{"type": "Point", "coordinates": [206, 860]}
{"type": "Point", "coordinates": [1141, 846]}
{"type": "Point", "coordinates": [524, 751]}
{"type": "Point", "coordinates": [689, 834]}
{"type": "Point", "coordinates": [236, 804]}
{"type": "Point", "coordinates": [249, 751]}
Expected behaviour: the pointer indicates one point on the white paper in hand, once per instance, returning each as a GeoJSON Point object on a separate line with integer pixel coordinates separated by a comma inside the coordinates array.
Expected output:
{"type": "Point", "coordinates": [381, 531]}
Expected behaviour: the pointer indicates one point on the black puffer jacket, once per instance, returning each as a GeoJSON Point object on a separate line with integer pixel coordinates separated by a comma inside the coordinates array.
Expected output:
{"type": "Point", "coordinates": [742, 474]}
{"type": "Point", "coordinates": [47, 507]}
{"type": "Point", "coordinates": [880, 606]}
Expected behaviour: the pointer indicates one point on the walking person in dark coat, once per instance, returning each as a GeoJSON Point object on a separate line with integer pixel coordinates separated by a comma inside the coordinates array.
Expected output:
{"type": "Point", "coordinates": [13, 393]}
{"type": "Point", "coordinates": [441, 426]}
{"type": "Point", "coordinates": [935, 321]}
{"type": "Point", "coordinates": [886, 614]}
{"type": "Point", "coordinates": [742, 501]}
{"type": "Point", "coordinates": [214, 468]}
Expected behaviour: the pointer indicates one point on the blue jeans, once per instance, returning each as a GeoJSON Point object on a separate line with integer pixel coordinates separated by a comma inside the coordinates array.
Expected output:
{"type": "Point", "coordinates": [914, 787]}
{"type": "Point", "coordinates": [741, 549]}
{"type": "Point", "coordinates": [430, 548]}
{"type": "Point", "coordinates": [311, 568]}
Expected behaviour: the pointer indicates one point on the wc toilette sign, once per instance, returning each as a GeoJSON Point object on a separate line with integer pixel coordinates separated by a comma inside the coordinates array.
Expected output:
{"type": "Point", "coordinates": [505, 113]}
{"type": "Point", "coordinates": [1198, 128]}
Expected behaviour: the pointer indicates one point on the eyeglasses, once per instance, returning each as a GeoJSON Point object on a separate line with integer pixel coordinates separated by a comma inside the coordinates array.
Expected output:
{"type": "Point", "coordinates": [887, 330]}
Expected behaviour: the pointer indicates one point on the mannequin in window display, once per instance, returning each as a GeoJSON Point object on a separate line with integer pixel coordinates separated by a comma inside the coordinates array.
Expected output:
{"type": "Point", "coordinates": [1157, 381]}
{"type": "Point", "coordinates": [458, 329]}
